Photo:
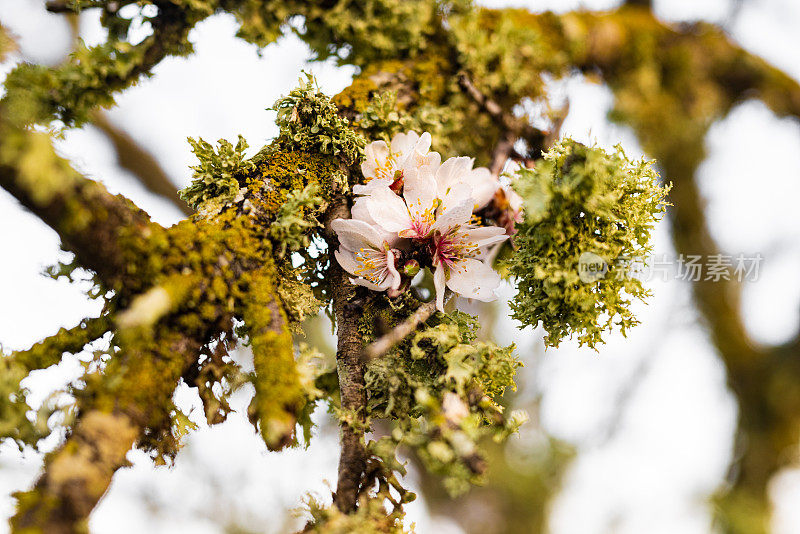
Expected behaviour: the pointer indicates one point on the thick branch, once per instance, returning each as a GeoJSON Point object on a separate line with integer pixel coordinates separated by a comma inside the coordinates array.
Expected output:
{"type": "Point", "coordinates": [85, 215]}
{"type": "Point", "coordinates": [115, 414]}
{"type": "Point", "coordinates": [350, 367]}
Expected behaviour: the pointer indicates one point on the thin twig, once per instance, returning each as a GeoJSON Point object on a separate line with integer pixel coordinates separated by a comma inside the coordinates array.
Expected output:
{"type": "Point", "coordinates": [640, 3]}
{"type": "Point", "coordinates": [383, 344]}
{"type": "Point", "coordinates": [134, 158]}
{"type": "Point", "coordinates": [59, 6]}
{"type": "Point", "coordinates": [492, 107]}
{"type": "Point", "coordinates": [505, 120]}
{"type": "Point", "coordinates": [503, 150]}
{"type": "Point", "coordinates": [512, 127]}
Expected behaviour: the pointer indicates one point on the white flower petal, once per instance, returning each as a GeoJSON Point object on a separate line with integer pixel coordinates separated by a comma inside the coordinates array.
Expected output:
{"type": "Point", "coordinates": [439, 283]}
{"type": "Point", "coordinates": [473, 279]}
{"type": "Point", "coordinates": [403, 143]}
{"type": "Point", "coordinates": [359, 211]}
{"type": "Point", "coordinates": [451, 172]}
{"type": "Point", "coordinates": [355, 234]}
{"type": "Point", "coordinates": [376, 155]}
{"type": "Point", "coordinates": [483, 185]}
{"type": "Point", "coordinates": [388, 210]}
{"type": "Point", "coordinates": [484, 236]}
{"type": "Point", "coordinates": [514, 200]}
{"type": "Point", "coordinates": [371, 186]}
{"type": "Point", "coordinates": [456, 195]}
{"type": "Point", "coordinates": [451, 217]}
{"type": "Point", "coordinates": [423, 144]}
{"type": "Point", "coordinates": [394, 277]}
{"type": "Point", "coordinates": [347, 260]}
{"type": "Point", "coordinates": [419, 192]}
{"type": "Point", "coordinates": [369, 285]}
{"type": "Point", "coordinates": [431, 161]}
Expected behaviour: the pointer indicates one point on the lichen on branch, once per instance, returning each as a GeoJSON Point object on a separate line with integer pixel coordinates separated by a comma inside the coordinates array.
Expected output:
{"type": "Point", "coordinates": [583, 206]}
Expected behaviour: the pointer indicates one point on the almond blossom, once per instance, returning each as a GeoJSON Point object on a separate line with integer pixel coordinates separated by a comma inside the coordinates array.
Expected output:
{"type": "Point", "coordinates": [407, 151]}
{"type": "Point", "coordinates": [415, 212]}
{"type": "Point", "coordinates": [458, 264]}
{"type": "Point", "coordinates": [458, 170]}
{"type": "Point", "coordinates": [419, 212]}
{"type": "Point", "coordinates": [367, 253]}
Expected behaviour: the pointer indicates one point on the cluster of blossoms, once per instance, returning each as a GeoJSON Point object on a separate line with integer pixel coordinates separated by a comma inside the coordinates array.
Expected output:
{"type": "Point", "coordinates": [415, 211]}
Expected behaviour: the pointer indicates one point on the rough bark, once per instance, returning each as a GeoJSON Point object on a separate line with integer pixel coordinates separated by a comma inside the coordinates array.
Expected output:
{"type": "Point", "coordinates": [350, 368]}
{"type": "Point", "coordinates": [115, 414]}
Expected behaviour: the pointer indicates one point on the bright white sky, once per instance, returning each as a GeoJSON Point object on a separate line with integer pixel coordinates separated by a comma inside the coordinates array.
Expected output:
{"type": "Point", "coordinates": [672, 441]}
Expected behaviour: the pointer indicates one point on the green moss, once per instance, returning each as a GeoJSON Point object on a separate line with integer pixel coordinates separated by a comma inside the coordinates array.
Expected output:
{"type": "Point", "coordinates": [581, 200]}
{"type": "Point", "coordinates": [14, 421]}
{"type": "Point", "coordinates": [6, 43]}
{"type": "Point", "coordinates": [441, 389]}
{"type": "Point", "coordinates": [279, 175]}
{"type": "Point", "coordinates": [309, 122]}
{"type": "Point", "coordinates": [50, 350]}
{"type": "Point", "coordinates": [280, 397]}
{"type": "Point", "coordinates": [363, 32]}
{"type": "Point", "coordinates": [295, 223]}
{"type": "Point", "coordinates": [39, 169]}
{"type": "Point", "coordinates": [371, 517]}
{"type": "Point", "coordinates": [214, 180]}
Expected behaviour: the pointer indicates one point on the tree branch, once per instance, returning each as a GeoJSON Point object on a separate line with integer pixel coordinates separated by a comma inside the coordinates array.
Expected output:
{"type": "Point", "coordinates": [512, 127]}
{"type": "Point", "coordinates": [505, 120]}
{"type": "Point", "coordinates": [639, 3]}
{"type": "Point", "coordinates": [88, 219]}
{"type": "Point", "coordinates": [384, 344]}
{"type": "Point", "coordinates": [350, 367]}
{"type": "Point", "coordinates": [502, 152]}
{"type": "Point", "coordinates": [49, 351]}
{"type": "Point", "coordinates": [133, 157]}
{"type": "Point", "coordinates": [114, 416]}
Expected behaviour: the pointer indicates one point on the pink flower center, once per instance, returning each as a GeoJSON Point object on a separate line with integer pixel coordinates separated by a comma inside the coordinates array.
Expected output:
{"type": "Point", "coordinates": [451, 247]}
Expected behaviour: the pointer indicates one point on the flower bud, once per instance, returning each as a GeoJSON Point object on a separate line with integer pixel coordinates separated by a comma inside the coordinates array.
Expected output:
{"type": "Point", "coordinates": [411, 268]}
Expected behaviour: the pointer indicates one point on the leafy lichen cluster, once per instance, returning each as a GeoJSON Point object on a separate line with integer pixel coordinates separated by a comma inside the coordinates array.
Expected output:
{"type": "Point", "coordinates": [309, 122]}
{"type": "Point", "coordinates": [442, 390]}
{"type": "Point", "coordinates": [214, 180]}
{"type": "Point", "coordinates": [582, 200]}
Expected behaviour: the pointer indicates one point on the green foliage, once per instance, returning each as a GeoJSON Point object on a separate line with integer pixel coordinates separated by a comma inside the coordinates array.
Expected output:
{"type": "Point", "coordinates": [291, 230]}
{"type": "Point", "coordinates": [14, 421]}
{"type": "Point", "coordinates": [381, 118]}
{"type": "Point", "coordinates": [49, 351]}
{"type": "Point", "coordinates": [309, 122]}
{"type": "Point", "coordinates": [6, 43]}
{"type": "Point", "coordinates": [371, 517]}
{"type": "Point", "coordinates": [362, 31]}
{"type": "Point", "coordinates": [506, 51]}
{"type": "Point", "coordinates": [39, 94]}
{"type": "Point", "coordinates": [380, 504]}
{"type": "Point", "coordinates": [215, 181]}
{"type": "Point", "coordinates": [579, 200]}
{"type": "Point", "coordinates": [445, 356]}
{"type": "Point", "coordinates": [442, 389]}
